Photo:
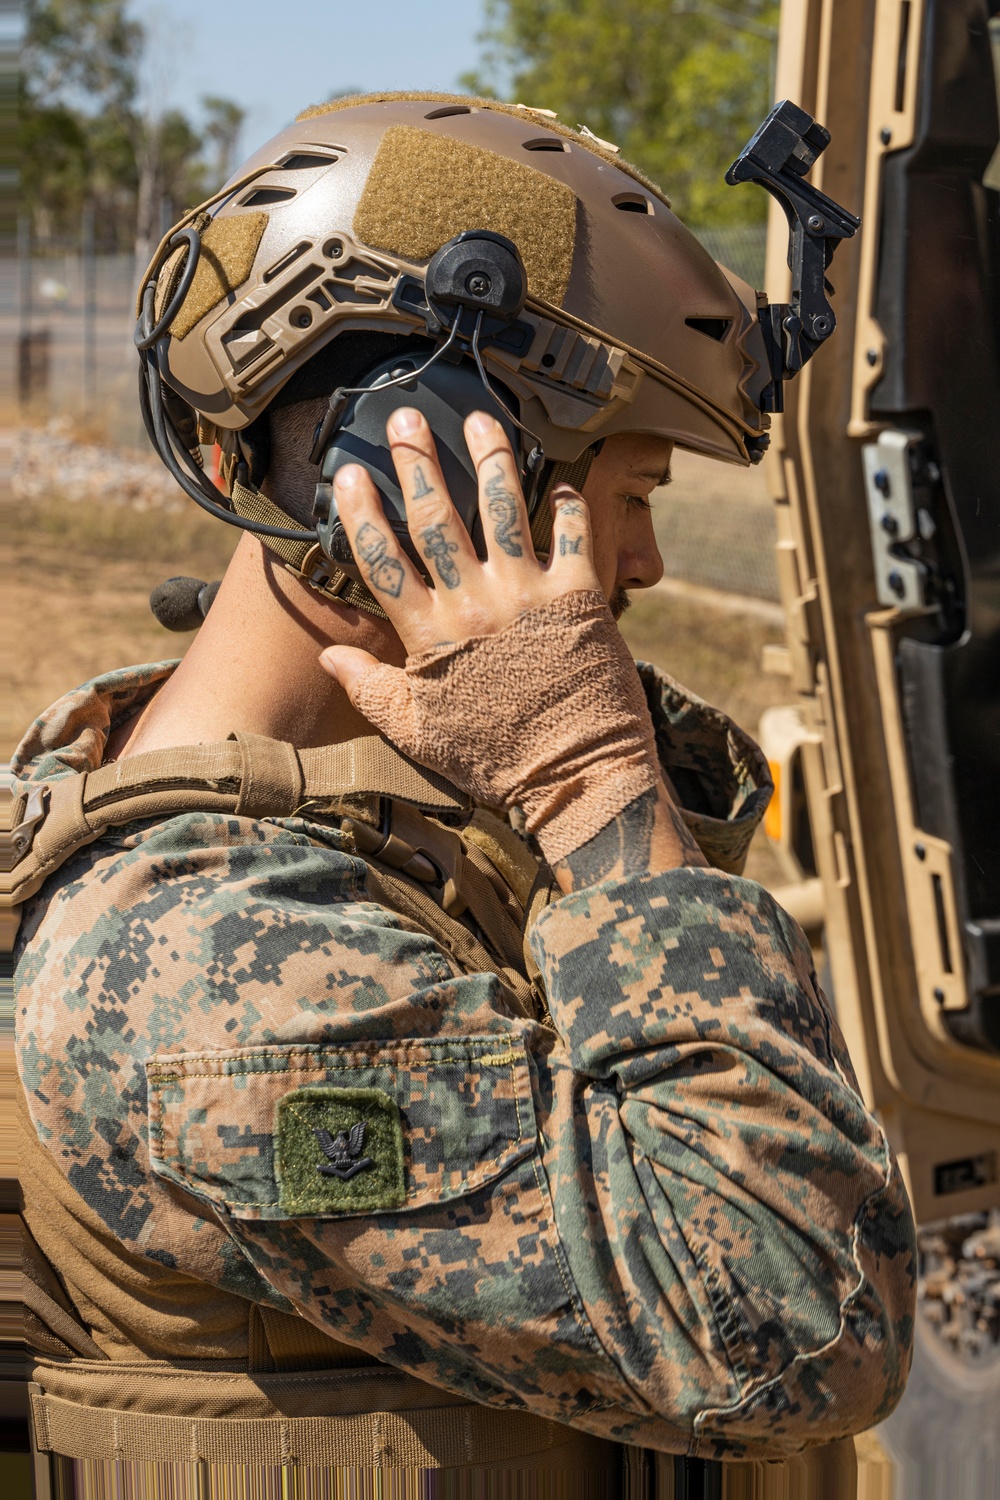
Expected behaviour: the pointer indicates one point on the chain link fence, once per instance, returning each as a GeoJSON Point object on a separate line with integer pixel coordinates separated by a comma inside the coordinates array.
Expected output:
{"type": "Point", "coordinates": [740, 248]}
{"type": "Point", "coordinates": [68, 317]}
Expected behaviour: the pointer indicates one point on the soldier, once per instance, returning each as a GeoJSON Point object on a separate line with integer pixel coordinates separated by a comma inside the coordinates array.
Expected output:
{"type": "Point", "coordinates": [411, 1080]}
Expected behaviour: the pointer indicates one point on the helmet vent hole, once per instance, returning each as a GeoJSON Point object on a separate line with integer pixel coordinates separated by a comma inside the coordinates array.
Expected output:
{"type": "Point", "coordinates": [448, 109]}
{"type": "Point", "coordinates": [286, 260]}
{"type": "Point", "coordinates": [261, 196]}
{"type": "Point", "coordinates": [632, 203]}
{"type": "Point", "coordinates": [302, 161]}
{"type": "Point", "coordinates": [712, 328]}
{"type": "Point", "coordinates": [547, 143]}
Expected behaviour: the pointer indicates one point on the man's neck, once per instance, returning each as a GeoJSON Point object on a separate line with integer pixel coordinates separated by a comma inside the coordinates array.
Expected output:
{"type": "Point", "coordinates": [254, 665]}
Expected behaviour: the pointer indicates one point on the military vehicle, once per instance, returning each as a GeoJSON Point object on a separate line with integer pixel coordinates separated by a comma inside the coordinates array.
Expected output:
{"type": "Point", "coordinates": [885, 471]}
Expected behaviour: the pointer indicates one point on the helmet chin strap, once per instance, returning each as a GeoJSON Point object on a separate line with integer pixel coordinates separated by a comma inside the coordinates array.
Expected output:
{"type": "Point", "coordinates": [306, 560]}
{"type": "Point", "coordinates": [574, 473]}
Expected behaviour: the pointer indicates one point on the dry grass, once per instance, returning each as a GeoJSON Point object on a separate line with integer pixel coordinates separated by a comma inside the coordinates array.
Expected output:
{"type": "Point", "coordinates": [717, 656]}
{"type": "Point", "coordinates": [77, 600]}
{"type": "Point", "coordinates": [77, 605]}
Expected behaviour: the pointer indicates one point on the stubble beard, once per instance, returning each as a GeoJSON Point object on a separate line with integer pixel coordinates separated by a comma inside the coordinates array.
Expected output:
{"type": "Point", "coordinates": [620, 601]}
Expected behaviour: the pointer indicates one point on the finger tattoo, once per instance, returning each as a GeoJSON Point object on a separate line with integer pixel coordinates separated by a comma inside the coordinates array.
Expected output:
{"type": "Point", "coordinates": [385, 573]}
{"type": "Point", "coordinates": [438, 549]}
{"type": "Point", "coordinates": [421, 487]}
{"type": "Point", "coordinates": [569, 544]}
{"type": "Point", "coordinates": [501, 503]}
{"type": "Point", "coordinates": [570, 507]}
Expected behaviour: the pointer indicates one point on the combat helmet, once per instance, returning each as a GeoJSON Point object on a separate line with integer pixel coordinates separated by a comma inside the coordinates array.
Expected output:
{"type": "Point", "coordinates": [476, 231]}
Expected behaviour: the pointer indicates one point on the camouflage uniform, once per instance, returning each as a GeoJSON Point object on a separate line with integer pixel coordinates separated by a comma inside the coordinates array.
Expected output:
{"type": "Point", "coordinates": [661, 1214]}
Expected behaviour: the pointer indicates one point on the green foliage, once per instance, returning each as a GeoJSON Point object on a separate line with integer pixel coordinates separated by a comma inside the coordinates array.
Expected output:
{"type": "Point", "coordinates": [679, 85]}
{"type": "Point", "coordinates": [224, 121]}
{"type": "Point", "coordinates": [85, 139]}
{"type": "Point", "coordinates": [89, 47]}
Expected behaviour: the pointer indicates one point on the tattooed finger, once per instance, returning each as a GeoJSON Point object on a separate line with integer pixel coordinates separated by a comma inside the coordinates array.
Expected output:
{"type": "Point", "coordinates": [383, 572]}
{"type": "Point", "coordinates": [437, 550]}
{"type": "Point", "coordinates": [571, 536]}
{"type": "Point", "coordinates": [504, 511]}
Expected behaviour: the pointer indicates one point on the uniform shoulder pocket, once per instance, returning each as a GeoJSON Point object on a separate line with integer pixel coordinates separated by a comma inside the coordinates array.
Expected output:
{"type": "Point", "coordinates": [276, 1132]}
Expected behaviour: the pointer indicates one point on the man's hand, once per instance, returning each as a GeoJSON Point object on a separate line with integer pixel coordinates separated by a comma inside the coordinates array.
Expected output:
{"type": "Point", "coordinates": [518, 685]}
{"type": "Point", "coordinates": [469, 597]}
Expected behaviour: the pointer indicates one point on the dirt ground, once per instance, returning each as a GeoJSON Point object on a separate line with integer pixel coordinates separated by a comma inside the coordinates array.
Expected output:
{"type": "Point", "coordinates": [76, 604]}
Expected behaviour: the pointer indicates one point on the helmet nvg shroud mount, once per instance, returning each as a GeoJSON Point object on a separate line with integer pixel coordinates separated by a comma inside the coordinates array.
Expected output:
{"type": "Point", "coordinates": [448, 252]}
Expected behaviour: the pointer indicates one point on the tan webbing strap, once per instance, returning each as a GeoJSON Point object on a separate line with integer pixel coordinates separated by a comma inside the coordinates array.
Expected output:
{"type": "Point", "coordinates": [61, 1325]}
{"type": "Point", "coordinates": [252, 776]}
{"type": "Point", "coordinates": [219, 764]}
{"type": "Point", "coordinates": [370, 765]}
{"type": "Point", "coordinates": [305, 559]}
{"type": "Point", "coordinates": [573, 473]}
{"type": "Point", "coordinates": [210, 778]}
{"type": "Point", "coordinates": [280, 1341]}
{"type": "Point", "coordinates": [497, 919]}
{"type": "Point", "coordinates": [40, 1289]}
{"type": "Point", "coordinates": [434, 1437]}
{"type": "Point", "coordinates": [531, 881]}
{"type": "Point", "coordinates": [271, 779]}
{"type": "Point", "coordinates": [505, 850]}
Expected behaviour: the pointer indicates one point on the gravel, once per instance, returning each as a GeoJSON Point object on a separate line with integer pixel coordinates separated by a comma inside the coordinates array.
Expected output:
{"type": "Point", "coordinates": [958, 1291]}
{"type": "Point", "coordinates": [49, 462]}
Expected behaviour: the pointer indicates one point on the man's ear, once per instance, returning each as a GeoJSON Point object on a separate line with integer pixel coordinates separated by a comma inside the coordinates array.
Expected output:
{"type": "Point", "coordinates": [290, 479]}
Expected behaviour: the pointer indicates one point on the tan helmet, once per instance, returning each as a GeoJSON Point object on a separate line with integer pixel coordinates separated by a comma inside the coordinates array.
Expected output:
{"type": "Point", "coordinates": [628, 326]}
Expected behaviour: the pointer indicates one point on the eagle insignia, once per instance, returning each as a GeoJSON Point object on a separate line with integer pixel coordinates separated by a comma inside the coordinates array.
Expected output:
{"type": "Point", "coordinates": [343, 1153]}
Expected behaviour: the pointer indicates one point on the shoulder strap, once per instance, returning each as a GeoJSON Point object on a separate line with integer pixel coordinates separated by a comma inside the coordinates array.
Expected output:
{"type": "Point", "coordinates": [248, 775]}
{"type": "Point", "coordinates": [418, 867]}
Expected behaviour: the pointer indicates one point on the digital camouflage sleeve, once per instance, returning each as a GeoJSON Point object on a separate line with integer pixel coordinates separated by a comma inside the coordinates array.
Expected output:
{"type": "Point", "coordinates": [668, 1219]}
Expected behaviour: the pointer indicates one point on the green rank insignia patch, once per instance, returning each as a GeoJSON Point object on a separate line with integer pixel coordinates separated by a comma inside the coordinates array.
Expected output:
{"type": "Point", "coordinates": [338, 1151]}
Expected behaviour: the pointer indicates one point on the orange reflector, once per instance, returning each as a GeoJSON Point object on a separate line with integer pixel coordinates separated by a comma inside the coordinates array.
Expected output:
{"type": "Point", "coordinates": [772, 818]}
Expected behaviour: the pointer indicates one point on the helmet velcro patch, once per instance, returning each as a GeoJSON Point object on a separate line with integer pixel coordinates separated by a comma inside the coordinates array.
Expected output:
{"type": "Point", "coordinates": [228, 249]}
{"type": "Point", "coordinates": [517, 111]}
{"type": "Point", "coordinates": [424, 188]}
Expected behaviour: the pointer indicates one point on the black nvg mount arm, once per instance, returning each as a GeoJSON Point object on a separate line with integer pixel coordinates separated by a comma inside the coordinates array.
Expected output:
{"type": "Point", "coordinates": [778, 156]}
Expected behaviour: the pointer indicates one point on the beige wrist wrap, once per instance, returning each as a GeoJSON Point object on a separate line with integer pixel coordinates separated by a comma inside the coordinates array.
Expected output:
{"type": "Point", "coordinates": [548, 715]}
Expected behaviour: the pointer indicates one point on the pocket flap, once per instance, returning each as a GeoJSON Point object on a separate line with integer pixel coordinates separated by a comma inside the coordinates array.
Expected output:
{"type": "Point", "coordinates": [276, 1132]}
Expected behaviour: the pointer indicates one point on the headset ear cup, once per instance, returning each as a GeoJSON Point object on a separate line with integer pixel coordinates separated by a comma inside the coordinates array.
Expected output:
{"type": "Point", "coordinates": [573, 473]}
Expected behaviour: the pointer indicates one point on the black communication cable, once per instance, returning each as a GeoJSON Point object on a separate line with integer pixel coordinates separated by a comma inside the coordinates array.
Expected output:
{"type": "Point", "coordinates": [535, 459]}
{"type": "Point", "coordinates": [156, 419]}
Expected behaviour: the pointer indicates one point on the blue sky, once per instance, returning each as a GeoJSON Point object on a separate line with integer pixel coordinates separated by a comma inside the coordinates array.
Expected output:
{"type": "Point", "coordinates": [276, 56]}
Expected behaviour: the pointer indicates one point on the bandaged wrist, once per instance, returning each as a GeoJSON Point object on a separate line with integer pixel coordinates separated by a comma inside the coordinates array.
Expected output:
{"type": "Point", "coordinates": [548, 714]}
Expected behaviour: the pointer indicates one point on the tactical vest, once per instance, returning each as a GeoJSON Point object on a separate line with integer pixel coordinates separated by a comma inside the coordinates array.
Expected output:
{"type": "Point", "coordinates": [302, 1409]}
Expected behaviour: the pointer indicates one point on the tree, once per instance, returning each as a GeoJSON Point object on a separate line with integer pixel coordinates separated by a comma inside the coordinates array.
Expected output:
{"type": "Point", "coordinates": [224, 121]}
{"type": "Point", "coordinates": [78, 88]}
{"type": "Point", "coordinates": [85, 137]}
{"type": "Point", "coordinates": [82, 47]}
{"type": "Point", "coordinates": [679, 87]}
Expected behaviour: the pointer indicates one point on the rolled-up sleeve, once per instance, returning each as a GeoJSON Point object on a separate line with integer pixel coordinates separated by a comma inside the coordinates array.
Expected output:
{"type": "Point", "coordinates": [757, 1273]}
